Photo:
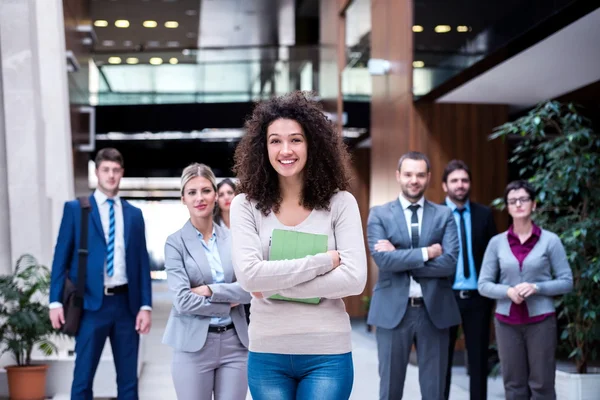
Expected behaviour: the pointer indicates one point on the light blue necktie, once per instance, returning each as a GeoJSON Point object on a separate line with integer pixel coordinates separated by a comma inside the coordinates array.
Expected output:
{"type": "Point", "coordinates": [110, 257]}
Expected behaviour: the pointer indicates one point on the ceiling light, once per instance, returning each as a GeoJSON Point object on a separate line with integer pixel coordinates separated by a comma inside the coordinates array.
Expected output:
{"type": "Point", "coordinates": [173, 61]}
{"type": "Point", "coordinates": [153, 43]}
{"type": "Point", "coordinates": [173, 43]}
{"type": "Point", "coordinates": [122, 23]}
{"type": "Point", "coordinates": [418, 64]}
{"type": "Point", "coordinates": [463, 28]}
{"type": "Point", "coordinates": [171, 24]}
{"type": "Point", "coordinates": [417, 28]}
{"type": "Point", "coordinates": [108, 43]}
{"type": "Point", "coordinates": [132, 60]}
{"type": "Point", "coordinates": [156, 61]}
{"type": "Point", "coordinates": [443, 28]}
{"type": "Point", "coordinates": [114, 60]}
{"type": "Point", "coordinates": [101, 23]}
{"type": "Point", "coordinates": [127, 43]}
{"type": "Point", "coordinates": [150, 24]}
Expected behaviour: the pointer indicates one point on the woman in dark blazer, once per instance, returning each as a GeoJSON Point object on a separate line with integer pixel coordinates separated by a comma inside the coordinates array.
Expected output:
{"type": "Point", "coordinates": [207, 327]}
{"type": "Point", "coordinates": [523, 269]}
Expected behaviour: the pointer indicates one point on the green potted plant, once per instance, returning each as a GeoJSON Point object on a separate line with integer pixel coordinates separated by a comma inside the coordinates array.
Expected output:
{"type": "Point", "coordinates": [559, 153]}
{"type": "Point", "coordinates": [24, 324]}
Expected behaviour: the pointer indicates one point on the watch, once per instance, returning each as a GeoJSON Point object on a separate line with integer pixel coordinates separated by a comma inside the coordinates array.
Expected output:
{"type": "Point", "coordinates": [536, 287]}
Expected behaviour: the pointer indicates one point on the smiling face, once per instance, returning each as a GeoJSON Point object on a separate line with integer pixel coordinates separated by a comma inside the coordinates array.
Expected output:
{"type": "Point", "coordinates": [200, 197]}
{"type": "Point", "coordinates": [226, 195]}
{"type": "Point", "coordinates": [458, 186]}
{"type": "Point", "coordinates": [287, 147]}
{"type": "Point", "coordinates": [413, 179]}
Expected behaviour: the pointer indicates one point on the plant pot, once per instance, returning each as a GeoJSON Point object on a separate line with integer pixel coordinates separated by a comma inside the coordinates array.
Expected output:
{"type": "Point", "coordinates": [570, 386]}
{"type": "Point", "coordinates": [27, 383]}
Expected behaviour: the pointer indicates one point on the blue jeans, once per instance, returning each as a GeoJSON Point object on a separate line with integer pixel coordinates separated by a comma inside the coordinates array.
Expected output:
{"type": "Point", "coordinates": [300, 377]}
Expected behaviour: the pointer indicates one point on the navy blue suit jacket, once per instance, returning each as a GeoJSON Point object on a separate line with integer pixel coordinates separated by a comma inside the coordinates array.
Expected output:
{"type": "Point", "coordinates": [66, 257]}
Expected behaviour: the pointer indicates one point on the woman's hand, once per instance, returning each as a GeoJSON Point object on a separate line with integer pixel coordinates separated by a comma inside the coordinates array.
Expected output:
{"type": "Point", "coordinates": [202, 291]}
{"type": "Point", "coordinates": [514, 295]}
{"type": "Point", "coordinates": [335, 257]}
{"type": "Point", "coordinates": [525, 289]}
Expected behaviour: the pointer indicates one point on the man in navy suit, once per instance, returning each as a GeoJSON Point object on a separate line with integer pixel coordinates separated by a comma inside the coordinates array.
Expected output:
{"type": "Point", "coordinates": [118, 294]}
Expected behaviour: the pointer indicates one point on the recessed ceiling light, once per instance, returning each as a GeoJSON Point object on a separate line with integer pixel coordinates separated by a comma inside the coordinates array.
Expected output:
{"type": "Point", "coordinates": [173, 61]}
{"type": "Point", "coordinates": [122, 23]}
{"type": "Point", "coordinates": [173, 43]}
{"type": "Point", "coordinates": [149, 24]}
{"type": "Point", "coordinates": [418, 64]}
{"type": "Point", "coordinates": [417, 28]}
{"type": "Point", "coordinates": [443, 29]}
{"type": "Point", "coordinates": [127, 43]}
{"type": "Point", "coordinates": [171, 24]}
{"type": "Point", "coordinates": [114, 60]}
{"type": "Point", "coordinates": [132, 60]}
{"type": "Point", "coordinates": [101, 23]}
{"type": "Point", "coordinates": [156, 61]}
{"type": "Point", "coordinates": [153, 43]}
{"type": "Point", "coordinates": [463, 28]}
{"type": "Point", "coordinates": [108, 43]}
{"type": "Point", "coordinates": [186, 52]}
{"type": "Point", "coordinates": [191, 13]}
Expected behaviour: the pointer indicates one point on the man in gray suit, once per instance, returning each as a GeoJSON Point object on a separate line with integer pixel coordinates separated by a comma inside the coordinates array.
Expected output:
{"type": "Point", "coordinates": [415, 245]}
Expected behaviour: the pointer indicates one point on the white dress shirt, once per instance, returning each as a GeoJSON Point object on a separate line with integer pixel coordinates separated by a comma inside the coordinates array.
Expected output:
{"type": "Point", "coordinates": [415, 288]}
{"type": "Point", "coordinates": [119, 271]}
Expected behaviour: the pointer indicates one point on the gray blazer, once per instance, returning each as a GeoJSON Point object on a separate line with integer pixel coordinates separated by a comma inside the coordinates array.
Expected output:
{"type": "Point", "coordinates": [187, 266]}
{"type": "Point", "coordinates": [390, 294]}
{"type": "Point", "coordinates": [546, 265]}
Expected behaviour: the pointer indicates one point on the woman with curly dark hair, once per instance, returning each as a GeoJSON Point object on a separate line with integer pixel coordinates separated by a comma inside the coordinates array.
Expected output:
{"type": "Point", "coordinates": [293, 175]}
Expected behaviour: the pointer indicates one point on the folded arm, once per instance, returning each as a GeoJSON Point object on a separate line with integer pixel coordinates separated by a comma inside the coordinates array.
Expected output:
{"type": "Point", "coordinates": [185, 301]}
{"type": "Point", "coordinates": [229, 293]}
{"type": "Point", "coordinates": [258, 275]}
{"type": "Point", "coordinates": [400, 260]}
{"type": "Point", "coordinates": [444, 265]}
{"type": "Point", "coordinates": [350, 277]}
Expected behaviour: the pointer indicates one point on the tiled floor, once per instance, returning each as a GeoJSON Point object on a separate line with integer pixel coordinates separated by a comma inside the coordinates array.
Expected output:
{"type": "Point", "coordinates": [156, 383]}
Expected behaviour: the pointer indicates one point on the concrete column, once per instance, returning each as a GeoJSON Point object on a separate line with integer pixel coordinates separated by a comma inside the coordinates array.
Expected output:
{"type": "Point", "coordinates": [5, 257]}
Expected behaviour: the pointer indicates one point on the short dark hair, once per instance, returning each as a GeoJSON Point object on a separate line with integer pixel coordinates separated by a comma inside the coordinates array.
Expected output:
{"type": "Point", "coordinates": [455, 165]}
{"type": "Point", "coordinates": [519, 184]}
{"type": "Point", "coordinates": [414, 155]}
{"type": "Point", "coordinates": [109, 154]}
{"type": "Point", "coordinates": [327, 168]}
{"type": "Point", "coordinates": [218, 217]}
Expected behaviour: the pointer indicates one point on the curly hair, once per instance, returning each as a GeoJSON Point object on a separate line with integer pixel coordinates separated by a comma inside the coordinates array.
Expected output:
{"type": "Point", "coordinates": [327, 166]}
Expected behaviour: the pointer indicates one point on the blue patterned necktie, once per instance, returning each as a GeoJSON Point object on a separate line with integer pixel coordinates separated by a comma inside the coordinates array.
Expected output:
{"type": "Point", "coordinates": [110, 257]}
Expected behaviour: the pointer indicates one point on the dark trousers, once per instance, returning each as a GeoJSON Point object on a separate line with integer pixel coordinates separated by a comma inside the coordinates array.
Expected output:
{"type": "Point", "coordinates": [115, 321]}
{"type": "Point", "coordinates": [475, 313]}
{"type": "Point", "coordinates": [393, 350]}
{"type": "Point", "coordinates": [528, 359]}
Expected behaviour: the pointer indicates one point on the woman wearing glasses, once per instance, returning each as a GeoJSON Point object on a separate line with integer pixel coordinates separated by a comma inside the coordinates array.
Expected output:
{"type": "Point", "coordinates": [523, 269]}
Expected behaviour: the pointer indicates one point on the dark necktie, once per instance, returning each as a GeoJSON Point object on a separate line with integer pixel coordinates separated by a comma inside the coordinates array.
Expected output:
{"type": "Point", "coordinates": [463, 242]}
{"type": "Point", "coordinates": [414, 225]}
{"type": "Point", "coordinates": [110, 250]}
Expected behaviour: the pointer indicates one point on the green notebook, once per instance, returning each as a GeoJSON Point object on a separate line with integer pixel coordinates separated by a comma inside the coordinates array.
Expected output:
{"type": "Point", "coordinates": [291, 245]}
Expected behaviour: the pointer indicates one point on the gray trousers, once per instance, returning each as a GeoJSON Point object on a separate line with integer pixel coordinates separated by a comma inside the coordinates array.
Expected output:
{"type": "Point", "coordinates": [220, 367]}
{"type": "Point", "coordinates": [393, 349]}
{"type": "Point", "coordinates": [528, 359]}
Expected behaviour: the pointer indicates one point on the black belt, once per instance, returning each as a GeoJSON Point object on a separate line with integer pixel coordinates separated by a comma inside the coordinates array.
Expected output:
{"type": "Point", "coordinates": [466, 294]}
{"type": "Point", "coordinates": [111, 291]}
{"type": "Point", "coordinates": [415, 302]}
{"type": "Point", "coordinates": [220, 329]}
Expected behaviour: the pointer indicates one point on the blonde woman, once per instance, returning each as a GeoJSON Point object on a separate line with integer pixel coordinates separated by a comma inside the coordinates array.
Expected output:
{"type": "Point", "coordinates": [207, 327]}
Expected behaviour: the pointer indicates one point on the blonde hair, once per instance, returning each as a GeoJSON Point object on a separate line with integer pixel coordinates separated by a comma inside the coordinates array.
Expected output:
{"type": "Point", "coordinates": [194, 170]}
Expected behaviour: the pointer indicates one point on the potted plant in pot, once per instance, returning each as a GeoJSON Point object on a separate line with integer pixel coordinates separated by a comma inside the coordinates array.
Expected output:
{"type": "Point", "coordinates": [24, 324]}
{"type": "Point", "coordinates": [559, 153]}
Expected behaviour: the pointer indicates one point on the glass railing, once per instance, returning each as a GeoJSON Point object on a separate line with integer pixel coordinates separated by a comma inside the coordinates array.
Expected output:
{"type": "Point", "coordinates": [215, 75]}
{"type": "Point", "coordinates": [451, 36]}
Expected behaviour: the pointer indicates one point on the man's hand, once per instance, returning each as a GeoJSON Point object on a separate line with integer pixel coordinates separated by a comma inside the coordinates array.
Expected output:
{"type": "Point", "coordinates": [383, 245]}
{"type": "Point", "coordinates": [143, 322]}
{"type": "Point", "coordinates": [435, 250]}
{"type": "Point", "coordinates": [525, 289]}
{"type": "Point", "coordinates": [234, 304]}
{"type": "Point", "coordinates": [202, 291]}
{"type": "Point", "coordinates": [258, 295]}
{"type": "Point", "coordinates": [514, 295]}
{"type": "Point", "coordinates": [57, 317]}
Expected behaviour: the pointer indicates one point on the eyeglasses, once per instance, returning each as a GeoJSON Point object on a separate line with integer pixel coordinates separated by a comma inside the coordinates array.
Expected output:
{"type": "Point", "coordinates": [522, 200]}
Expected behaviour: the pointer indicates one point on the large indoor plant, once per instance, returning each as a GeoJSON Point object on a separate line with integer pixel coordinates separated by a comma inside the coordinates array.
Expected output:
{"type": "Point", "coordinates": [24, 324]}
{"type": "Point", "coordinates": [559, 153]}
